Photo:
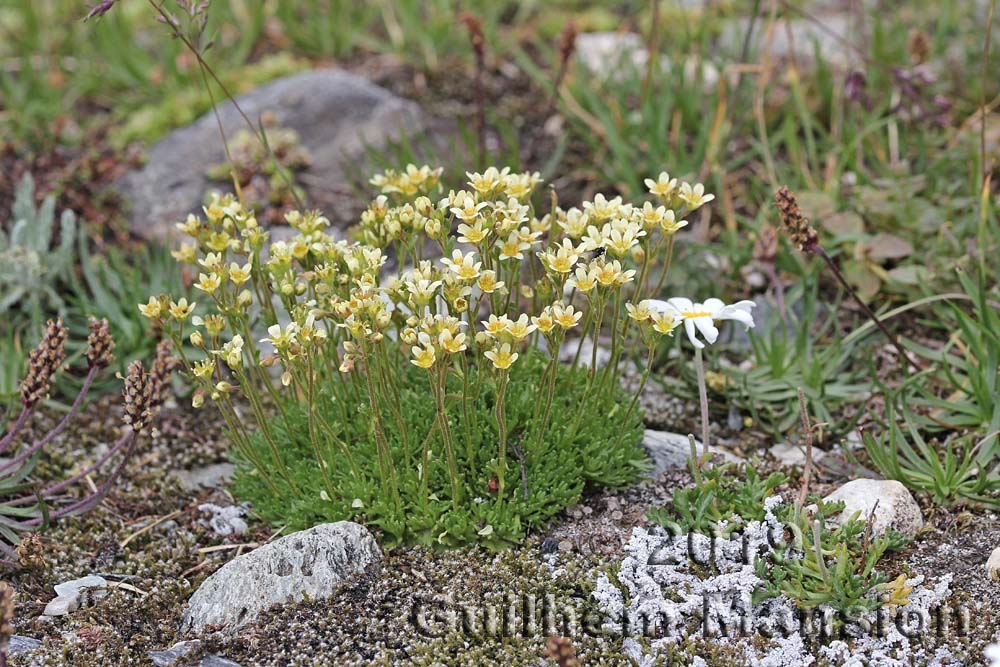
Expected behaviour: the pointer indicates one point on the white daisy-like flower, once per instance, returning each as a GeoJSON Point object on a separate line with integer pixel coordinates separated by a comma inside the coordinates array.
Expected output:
{"type": "Point", "coordinates": [701, 317]}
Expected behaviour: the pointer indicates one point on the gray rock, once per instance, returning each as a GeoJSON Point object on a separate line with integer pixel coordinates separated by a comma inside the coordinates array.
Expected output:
{"type": "Point", "coordinates": [217, 661]}
{"type": "Point", "coordinates": [833, 34]}
{"type": "Point", "coordinates": [895, 509]}
{"type": "Point", "coordinates": [83, 584]}
{"type": "Point", "coordinates": [19, 644]}
{"type": "Point", "coordinates": [793, 455]}
{"type": "Point", "coordinates": [567, 352]}
{"type": "Point", "coordinates": [337, 115]}
{"type": "Point", "coordinates": [174, 653]}
{"type": "Point", "coordinates": [62, 605]}
{"type": "Point", "coordinates": [213, 476]}
{"type": "Point", "coordinates": [311, 563]}
{"type": "Point", "coordinates": [224, 521]}
{"type": "Point", "coordinates": [182, 650]}
{"type": "Point", "coordinates": [993, 565]}
{"type": "Point", "coordinates": [672, 450]}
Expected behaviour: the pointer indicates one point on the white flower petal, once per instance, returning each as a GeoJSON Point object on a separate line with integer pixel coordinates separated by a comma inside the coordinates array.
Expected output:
{"type": "Point", "coordinates": [689, 329]}
{"type": "Point", "coordinates": [707, 328]}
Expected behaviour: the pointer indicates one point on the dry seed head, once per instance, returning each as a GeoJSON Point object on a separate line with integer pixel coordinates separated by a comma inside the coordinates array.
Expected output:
{"type": "Point", "coordinates": [31, 553]}
{"type": "Point", "coordinates": [100, 344]}
{"type": "Point", "coordinates": [43, 362]}
{"type": "Point", "coordinates": [561, 651]}
{"type": "Point", "coordinates": [801, 232]}
{"type": "Point", "coordinates": [137, 395]}
{"type": "Point", "coordinates": [567, 44]}
{"type": "Point", "coordinates": [6, 615]}
{"type": "Point", "coordinates": [163, 366]}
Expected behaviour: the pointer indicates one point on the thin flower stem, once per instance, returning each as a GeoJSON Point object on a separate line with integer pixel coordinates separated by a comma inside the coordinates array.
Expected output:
{"type": "Point", "coordinates": [470, 455]}
{"type": "Point", "coordinates": [16, 428]}
{"type": "Point", "coordinates": [807, 435]}
{"type": "Point", "coordinates": [699, 365]}
{"type": "Point", "coordinates": [438, 382]}
{"type": "Point", "coordinates": [868, 311]}
{"type": "Point", "coordinates": [501, 431]}
{"type": "Point", "coordinates": [666, 265]}
{"type": "Point", "coordinates": [382, 444]}
{"type": "Point", "coordinates": [59, 428]}
{"type": "Point", "coordinates": [313, 437]}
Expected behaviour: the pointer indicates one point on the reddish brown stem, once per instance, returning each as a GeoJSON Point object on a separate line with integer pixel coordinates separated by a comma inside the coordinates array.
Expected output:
{"type": "Point", "coordinates": [868, 311]}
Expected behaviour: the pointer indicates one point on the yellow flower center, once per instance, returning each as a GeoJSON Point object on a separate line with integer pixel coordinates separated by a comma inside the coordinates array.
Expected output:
{"type": "Point", "coordinates": [692, 314]}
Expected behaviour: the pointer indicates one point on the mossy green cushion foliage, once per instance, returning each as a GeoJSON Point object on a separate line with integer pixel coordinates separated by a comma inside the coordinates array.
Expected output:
{"type": "Point", "coordinates": [586, 444]}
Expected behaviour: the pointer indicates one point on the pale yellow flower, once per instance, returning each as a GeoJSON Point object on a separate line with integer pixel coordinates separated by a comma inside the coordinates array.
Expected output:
{"type": "Point", "coordinates": [451, 343]}
{"type": "Point", "coordinates": [232, 352]}
{"type": "Point", "coordinates": [502, 357]}
{"type": "Point", "coordinates": [186, 254]}
{"type": "Point", "coordinates": [584, 280]}
{"type": "Point", "coordinates": [474, 234]}
{"type": "Point", "coordinates": [566, 317]}
{"type": "Point", "coordinates": [663, 187]}
{"type": "Point", "coordinates": [640, 312]}
{"type": "Point", "coordinates": [513, 247]}
{"type": "Point", "coordinates": [670, 224]}
{"type": "Point", "coordinates": [464, 266]}
{"type": "Point", "coordinates": [465, 208]}
{"type": "Point", "coordinates": [560, 258]}
{"type": "Point", "coordinates": [495, 326]}
{"type": "Point", "coordinates": [204, 369]}
{"type": "Point", "coordinates": [239, 274]}
{"type": "Point", "coordinates": [153, 309]}
{"type": "Point", "coordinates": [218, 241]}
{"type": "Point", "coordinates": [520, 328]}
{"type": "Point", "coordinates": [208, 283]}
{"type": "Point", "coordinates": [424, 357]}
{"type": "Point", "coordinates": [488, 282]}
{"type": "Point", "coordinates": [544, 322]}
{"type": "Point", "coordinates": [181, 310]}
{"type": "Point", "coordinates": [694, 196]}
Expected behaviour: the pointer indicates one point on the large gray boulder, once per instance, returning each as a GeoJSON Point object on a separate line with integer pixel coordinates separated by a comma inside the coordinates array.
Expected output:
{"type": "Point", "coordinates": [338, 115]}
{"type": "Point", "coordinates": [309, 564]}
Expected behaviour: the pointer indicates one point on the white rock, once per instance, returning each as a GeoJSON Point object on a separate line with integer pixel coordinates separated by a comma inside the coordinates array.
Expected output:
{"type": "Point", "coordinates": [62, 605]}
{"type": "Point", "coordinates": [311, 563]}
{"type": "Point", "coordinates": [672, 450]}
{"type": "Point", "coordinates": [992, 653]}
{"type": "Point", "coordinates": [993, 565]}
{"type": "Point", "coordinates": [618, 55]}
{"type": "Point", "coordinates": [83, 584]}
{"type": "Point", "coordinates": [225, 521]}
{"type": "Point", "coordinates": [893, 504]}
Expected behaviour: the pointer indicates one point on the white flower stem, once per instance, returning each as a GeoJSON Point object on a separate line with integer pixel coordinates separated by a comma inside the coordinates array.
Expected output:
{"type": "Point", "coordinates": [699, 365]}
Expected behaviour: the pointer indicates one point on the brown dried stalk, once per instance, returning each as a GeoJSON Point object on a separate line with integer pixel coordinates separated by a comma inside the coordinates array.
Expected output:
{"type": "Point", "coordinates": [806, 240]}
{"type": "Point", "coordinates": [24, 503]}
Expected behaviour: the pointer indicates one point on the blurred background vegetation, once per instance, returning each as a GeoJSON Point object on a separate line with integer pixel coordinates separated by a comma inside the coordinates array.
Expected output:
{"type": "Point", "coordinates": [880, 116]}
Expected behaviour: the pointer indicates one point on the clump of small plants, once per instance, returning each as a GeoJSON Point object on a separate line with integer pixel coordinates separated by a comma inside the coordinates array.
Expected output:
{"type": "Point", "coordinates": [821, 557]}
{"type": "Point", "coordinates": [28, 504]}
{"type": "Point", "coordinates": [831, 563]}
{"type": "Point", "coordinates": [265, 171]}
{"type": "Point", "coordinates": [429, 400]}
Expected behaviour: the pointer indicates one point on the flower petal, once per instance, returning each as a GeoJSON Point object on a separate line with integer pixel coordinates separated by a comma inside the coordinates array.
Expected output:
{"type": "Point", "coordinates": [707, 328]}
{"type": "Point", "coordinates": [689, 329]}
